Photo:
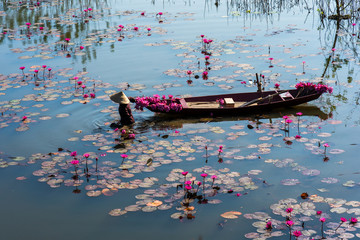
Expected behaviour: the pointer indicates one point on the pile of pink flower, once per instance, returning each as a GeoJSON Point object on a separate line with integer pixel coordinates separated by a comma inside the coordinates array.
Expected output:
{"type": "Point", "coordinates": [158, 104]}
{"type": "Point", "coordinates": [321, 88]}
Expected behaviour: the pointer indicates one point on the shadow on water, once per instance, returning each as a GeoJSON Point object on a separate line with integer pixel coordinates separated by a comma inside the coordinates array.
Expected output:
{"type": "Point", "coordinates": [166, 122]}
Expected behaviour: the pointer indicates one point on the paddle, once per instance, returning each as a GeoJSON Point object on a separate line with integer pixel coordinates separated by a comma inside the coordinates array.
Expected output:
{"type": "Point", "coordinates": [261, 98]}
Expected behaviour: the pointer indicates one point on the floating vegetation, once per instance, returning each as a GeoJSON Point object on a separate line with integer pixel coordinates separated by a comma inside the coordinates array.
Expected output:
{"type": "Point", "coordinates": [305, 219]}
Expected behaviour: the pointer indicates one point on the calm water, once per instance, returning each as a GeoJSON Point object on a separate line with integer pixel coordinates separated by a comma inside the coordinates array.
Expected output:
{"type": "Point", "coordinates": [259, 160]}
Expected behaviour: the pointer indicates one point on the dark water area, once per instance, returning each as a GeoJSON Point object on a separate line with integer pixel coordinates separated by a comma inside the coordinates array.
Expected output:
{"type": "Point", "coordinates": [136, 188]}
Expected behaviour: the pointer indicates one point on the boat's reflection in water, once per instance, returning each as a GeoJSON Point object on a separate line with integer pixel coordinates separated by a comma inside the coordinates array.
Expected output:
{"type": "Point", "coordinates": [169, 122]}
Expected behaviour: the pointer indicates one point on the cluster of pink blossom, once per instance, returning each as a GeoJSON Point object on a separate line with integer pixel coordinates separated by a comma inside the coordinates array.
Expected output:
{"type": "Point", "coordinates": [321, 88]}
{"type": "Point", "coordinates": [221, 101]}
{"type": "Point", "coordinates": [157, 104]}
{"type": "Point", "coordinates": [205, 42]}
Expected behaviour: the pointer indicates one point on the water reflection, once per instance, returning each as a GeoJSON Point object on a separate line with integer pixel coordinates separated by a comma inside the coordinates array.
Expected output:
{"type": "Point", "coordinates": [53, 21]}
{"type": "Point", "coordinates": [166, 122]}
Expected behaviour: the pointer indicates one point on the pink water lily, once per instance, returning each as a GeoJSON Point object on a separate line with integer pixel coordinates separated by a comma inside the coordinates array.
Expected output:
{"type": "Point", "coordinates": [86, 155]}
{"type": "Point", "coordinates": [204, 175]}
{"type": "Point", "coordinates": [353, 220]}
{"type": "Point", "coordinates": [157, 104]}
{"type": "Point", "coordinates": [289, 223]}
{"type": "Point", "coordinates": [289, 210]}
{"type": "Point", "coordinates": [268, 225]}
{"type": "Point", "coordinates": [297, 233]}
{"type": "Point", "coordinates": [343, 220]}
{"type": "Point", "coordinates": [213, 177]}
{"type": "Point", "coordinates": [311, 87]}
{"type": "Point", "coordinates": [74, 162]}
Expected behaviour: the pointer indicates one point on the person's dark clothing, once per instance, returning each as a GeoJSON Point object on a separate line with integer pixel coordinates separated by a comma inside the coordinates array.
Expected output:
{"type": "Point", "coordinates": [125, 114]}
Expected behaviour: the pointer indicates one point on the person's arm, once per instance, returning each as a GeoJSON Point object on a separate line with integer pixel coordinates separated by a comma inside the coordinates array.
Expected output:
{"type": "Point", "coordinates": [131, 99]}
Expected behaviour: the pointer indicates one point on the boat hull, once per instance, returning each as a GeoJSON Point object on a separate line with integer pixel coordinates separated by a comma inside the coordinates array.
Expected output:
{"type": "Point", "coordinates": [265, 105]}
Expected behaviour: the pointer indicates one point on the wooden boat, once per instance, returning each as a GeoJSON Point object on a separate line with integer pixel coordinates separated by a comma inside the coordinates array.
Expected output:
{"type": "Point", "coordinates": [237, 103]}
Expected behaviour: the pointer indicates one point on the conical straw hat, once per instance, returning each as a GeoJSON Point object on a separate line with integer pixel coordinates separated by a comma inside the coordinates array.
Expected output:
{"type": "Point", "coordinates": [120, 97]}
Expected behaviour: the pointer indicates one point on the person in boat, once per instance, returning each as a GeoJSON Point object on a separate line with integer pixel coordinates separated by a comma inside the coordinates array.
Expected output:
{"type": "Point", "coordinates": [126, 117]}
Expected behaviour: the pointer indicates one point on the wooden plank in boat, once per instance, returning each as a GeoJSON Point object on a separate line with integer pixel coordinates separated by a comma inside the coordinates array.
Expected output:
{"type": "Point", "coordinates": [212, 104]}
{"type": "Point", "coordinates": [203, 104]}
